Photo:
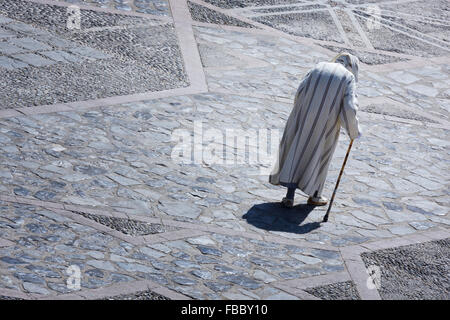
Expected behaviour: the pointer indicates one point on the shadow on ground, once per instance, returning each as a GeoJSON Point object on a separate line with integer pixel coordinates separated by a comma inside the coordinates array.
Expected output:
{"type": "Point", "coordinates": [272, 216]}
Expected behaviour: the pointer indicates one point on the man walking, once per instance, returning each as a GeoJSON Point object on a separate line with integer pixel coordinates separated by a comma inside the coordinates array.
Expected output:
{"type": "Point", "coordinates": [325, 101]}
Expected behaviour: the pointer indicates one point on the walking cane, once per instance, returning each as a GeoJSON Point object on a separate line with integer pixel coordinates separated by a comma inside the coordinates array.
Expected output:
{"type": "Point", "coordinates": [325, 218]}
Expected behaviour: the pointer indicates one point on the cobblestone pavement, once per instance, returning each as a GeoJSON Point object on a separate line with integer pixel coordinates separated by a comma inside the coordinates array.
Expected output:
{"type": "Point", "coordinates": [110, 55]}
{"type": "Point", "coordinates": [91, 179]}
{"type": "Point", "coordinates": [153, 7]}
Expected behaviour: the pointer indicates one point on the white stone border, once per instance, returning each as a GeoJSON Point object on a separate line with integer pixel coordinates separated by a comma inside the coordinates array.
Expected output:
{"type": "Point", "coordinates": [188, 46]}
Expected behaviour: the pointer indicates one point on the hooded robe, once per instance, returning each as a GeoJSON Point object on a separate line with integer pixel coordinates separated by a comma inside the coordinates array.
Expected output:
{"type": "Point", "coordinates": [325, 101]}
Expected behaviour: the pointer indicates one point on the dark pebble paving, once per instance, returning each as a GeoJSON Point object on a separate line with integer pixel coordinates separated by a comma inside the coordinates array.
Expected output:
{"type": "Point", "coordinates": [203, 14]}
{"type": "Point", "coordinates": [283, 9]}
{"type": "Point", "coordinates": [413, 272]}
{"type": "Point", "coordinates": [311, 24]}
{"type": "Point", "coordinates": [367, 57]}
{"type": "Point", "coordinates": [9, 298]}
{"type": "Point", "coordinates": [387, 39]}
{"type": "Point", "coordinates": [139, 58]}
{"type": "Point", "coordinates": [229, 4]}
{"type": "Point", "coordinates": [394, 112]}
{"type": "Point", "coordinates": [336, 291]}
{"type": "Point", "coordinates": [142, 295]}
{"type": "Point", "coordinates": [129, 226]}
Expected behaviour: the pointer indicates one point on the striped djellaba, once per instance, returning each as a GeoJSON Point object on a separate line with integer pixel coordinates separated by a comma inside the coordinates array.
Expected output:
{"type": "Point", "coordinates": [325, 101]}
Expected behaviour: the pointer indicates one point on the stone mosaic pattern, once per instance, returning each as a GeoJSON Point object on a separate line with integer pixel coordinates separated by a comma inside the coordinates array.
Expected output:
{"type": "Point", "coordinates": [53, 18]}
{"type": "Point", "coordinates": [394, 111]}
{"type": "Point", "coordinates": [410, 27]}
{"type": "Point", "coordinates": [308, 24]}
{"type": "Point", "coordinates": [45, 244]}
{"type": "Point", "coordinates": [302, 6]}
{"type": "Point", "coordinates": [248, 3]}
{"type": "Point", "coordinates": [432, 19]}
{"type": "Point", "coordinates": [209, 56]}
{"type": "Point", "coordinates": [206, 267]}
{"type": "Point", "coordinates": [387, 39]}
{"type": "Point", "coordinates": [424, 88]}
{"type": "Point", "coordinates": [228, 236]}
{"type": "Point", "coordinates": [414, 272]}
{"type": "Point", "coordinates": [336, 291]}
{"type": "Point", "coordinates": [129, 226]}
{"type": "Point", "coordinates": [64, 66]}
{"type": "Point", "coordinates": [141, 295]}
{"type": "Point", "coordinates": [284, 77]}
{"type": "Point", "coordinates": [367, 57]}
{"type": "Point", "coordinates": [9, 298]}
{"type": "Point", "coordinates": [203, 14]}
{"type": "Point", "coordinates": [154, 7]}
{"type": "Point", "coordinates": [20, 48]}
{"type": "Point", "coordinates": [145, 181]}
{"type": "Point", "coordinates": [350, 28]}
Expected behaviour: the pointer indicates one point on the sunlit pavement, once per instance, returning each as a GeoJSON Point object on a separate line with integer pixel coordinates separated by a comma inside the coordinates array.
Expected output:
{"type": "Point", "coordinates": [95, 201]}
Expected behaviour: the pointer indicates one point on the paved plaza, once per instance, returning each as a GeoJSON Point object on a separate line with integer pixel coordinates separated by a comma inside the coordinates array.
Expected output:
{"type": "Point", "coordinates": [96, 201]}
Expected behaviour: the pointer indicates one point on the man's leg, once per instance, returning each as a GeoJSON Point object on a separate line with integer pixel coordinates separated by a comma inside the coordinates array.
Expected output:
{"type": "Point", "coordinates": [288, 201]}
{"type": "Point", "coordinates": [290, 193]}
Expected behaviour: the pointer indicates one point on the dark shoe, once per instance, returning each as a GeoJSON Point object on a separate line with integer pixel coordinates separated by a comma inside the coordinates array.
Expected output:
{"type": "Point", "coordinates": [288, 203]}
